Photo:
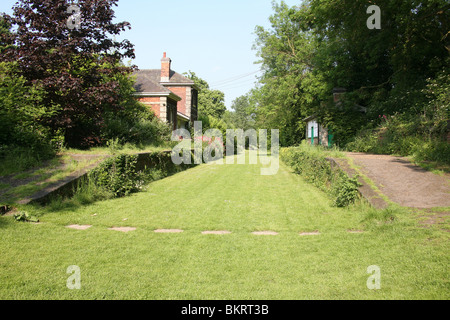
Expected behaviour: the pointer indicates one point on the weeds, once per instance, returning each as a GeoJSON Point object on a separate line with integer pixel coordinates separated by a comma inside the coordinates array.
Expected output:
{"type": "Point", "coordinates": [312, 164]}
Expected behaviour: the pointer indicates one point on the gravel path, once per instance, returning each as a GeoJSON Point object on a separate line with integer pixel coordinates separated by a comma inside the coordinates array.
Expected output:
{"type": "Point", "coordinates": [404, 183]}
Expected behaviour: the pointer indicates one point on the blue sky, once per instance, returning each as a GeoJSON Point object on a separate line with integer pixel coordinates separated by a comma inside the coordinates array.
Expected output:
{"type": "Point", "coordinates": [212, 38]}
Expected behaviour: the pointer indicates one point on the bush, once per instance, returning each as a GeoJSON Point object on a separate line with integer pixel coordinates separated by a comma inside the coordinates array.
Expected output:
{"type": "Point", "coordinates": [138, 127]}
{"type": "Point", "coordinates": [344, 189]}
{"type": "Point", "coordinates": [118, 175]}
{"type": "Point", "coordinates": [24, 140]}
{"type": "Point", "coordinates": [437, 151]}
{"type": "Point", "coordinates": [404, 136]}
{"type": "Point", "coordinates": [311, 163]}
{"type": "Point", "coordinates": [25, 217]}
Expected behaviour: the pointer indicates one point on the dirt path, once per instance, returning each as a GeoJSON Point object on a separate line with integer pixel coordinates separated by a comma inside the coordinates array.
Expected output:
{"type": "Point", "coordinates": [404, 183]}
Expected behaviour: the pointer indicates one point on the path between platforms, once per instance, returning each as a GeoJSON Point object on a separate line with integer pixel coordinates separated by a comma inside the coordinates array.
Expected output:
{"type": "Point", "coordinates": [403, 182]}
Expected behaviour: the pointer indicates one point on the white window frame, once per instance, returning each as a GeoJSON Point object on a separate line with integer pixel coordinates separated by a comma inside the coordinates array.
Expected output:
{"type": "Point", "coordinates": [316, 129]}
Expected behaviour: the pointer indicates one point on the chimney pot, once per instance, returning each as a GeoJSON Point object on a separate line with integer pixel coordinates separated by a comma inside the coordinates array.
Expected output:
{"type": "Point", "coordinates": [165, 68]}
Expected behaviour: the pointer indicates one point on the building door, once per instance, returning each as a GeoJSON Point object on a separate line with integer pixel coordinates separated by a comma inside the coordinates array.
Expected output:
{"type": "Point", "coordinates": [313, 130]}
{"type": "Point", "coordinates": [330, 138]}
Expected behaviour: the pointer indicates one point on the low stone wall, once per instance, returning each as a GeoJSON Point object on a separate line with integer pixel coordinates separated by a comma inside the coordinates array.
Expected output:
{"type": "Point", "coordinates": [158, 160]}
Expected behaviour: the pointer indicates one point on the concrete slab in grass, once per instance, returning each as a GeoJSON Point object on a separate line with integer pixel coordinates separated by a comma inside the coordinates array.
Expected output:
{"type": "Point", "coordinates": [122, 229]}
{"type": "Point", "coordinates": [168, 230]}
{"type": "Point", "coordinates": [78, 227]}
{"type": "Point", "coordinates": [216, 232]}
{"type": "Point", "coordinates": [312, 233]}
{"type": "Point", "coordinates": [355, 231]}
{"type": "Point", "coordinates": [265, 233]}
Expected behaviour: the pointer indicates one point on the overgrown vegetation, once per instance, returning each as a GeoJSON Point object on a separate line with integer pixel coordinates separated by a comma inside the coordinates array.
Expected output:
{"type": "Point", "coordinates": [118, 176]}
{"type": "Point", "coordinates": [312, 164]}
{"type": "Point", "coordinates": [67, 88]}
{"type": "Point", "coordinates": [400, 72]}
{"type": "Point", "coordinates": [422, 135]}
{"type": "Point", "coordinates": [24, 216]}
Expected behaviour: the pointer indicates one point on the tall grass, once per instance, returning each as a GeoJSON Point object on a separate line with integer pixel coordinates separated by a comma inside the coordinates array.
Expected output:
{"type": "Point", "coordinates": [19, 159]}
{"type": "Point", "coordinates": [403, 136]}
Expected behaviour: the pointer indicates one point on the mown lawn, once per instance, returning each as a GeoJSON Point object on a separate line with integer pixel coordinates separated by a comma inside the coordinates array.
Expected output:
{"type": "Point", "coordinates": [142, 264]}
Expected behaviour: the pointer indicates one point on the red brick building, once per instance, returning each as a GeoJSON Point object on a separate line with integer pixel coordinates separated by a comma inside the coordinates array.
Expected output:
{"type": "Point", "coordinates": [172, 96]}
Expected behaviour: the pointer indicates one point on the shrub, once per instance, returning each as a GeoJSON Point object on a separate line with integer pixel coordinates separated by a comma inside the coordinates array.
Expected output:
{"type": "Point", "coordinates": [25, 217]}
{"type": "Point", "coordinates": [344, 189]}
{"type": "Point", "coordinates": [311, 163]}
{"type": "Point", "coordinates": [140, 127]}
{"type": "Point", "coordinates": [118, 175]}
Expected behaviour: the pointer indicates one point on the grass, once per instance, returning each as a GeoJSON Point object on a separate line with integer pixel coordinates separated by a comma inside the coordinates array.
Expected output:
{"type": "Point", "coordinates": [20, 162]}
{"type": "Point", "coordinates": [145, 265]}
{"type": "Point", "coordinates": [114, 148]}
{"type": "Point", "coordinates": [432, 166]}
{"type": "Point", "coordinates": [44, 173]}
{"type": "Point", "coordinates": [39, 178]}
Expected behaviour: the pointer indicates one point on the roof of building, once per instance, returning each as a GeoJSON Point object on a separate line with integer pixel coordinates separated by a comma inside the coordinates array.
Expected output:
{"type": "Point", "coordinates": [145, 84]}
{"type": "Point", "coordinates": [155, 76]}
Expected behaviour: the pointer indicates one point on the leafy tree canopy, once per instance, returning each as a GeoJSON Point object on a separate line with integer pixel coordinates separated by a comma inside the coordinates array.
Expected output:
{"type": "Point", "coordinates": [78, 69]}
{"type": "Point", "coordinates": [210, 102]}
{"type": "Point", "coordinates": [319, 45]}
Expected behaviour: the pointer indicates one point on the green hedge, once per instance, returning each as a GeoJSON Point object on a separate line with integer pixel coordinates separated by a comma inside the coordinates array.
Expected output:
{"type": "Point", "coordinates": [312, 164]}
{"type": "Point", "coordinates": [127, 173]}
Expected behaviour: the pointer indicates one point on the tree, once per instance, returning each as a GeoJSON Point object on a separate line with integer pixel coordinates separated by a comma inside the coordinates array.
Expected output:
{"type": "Point", "coordinates": [19, 105]}
{"type": "Point", "coordinates": [319, 45]}
{"type": "Point", "coordinates": [385, 68]}
{"type": "Point", "coordinates": [244, 112]}
{"type": "Point", "coordinates": [210, 102]}
{"type": "Point", "coordinates": [6, 36]}
{"type": "Point", "coordinates": [288, 88]}
{"type": "Point", "coordinates": [76, 68]}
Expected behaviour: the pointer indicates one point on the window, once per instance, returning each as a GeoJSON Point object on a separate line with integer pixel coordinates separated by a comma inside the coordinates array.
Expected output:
{"type": "Point", "coordinates": [313, 126]}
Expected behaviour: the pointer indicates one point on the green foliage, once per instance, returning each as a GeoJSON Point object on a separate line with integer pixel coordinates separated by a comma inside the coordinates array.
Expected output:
{"type": "Point", "coordinates": [312, 164]}
{"type": "Point", "coordinates": [318, 45]}
{"type": "Point", "coordinates": [24, 142]}
{"type": "Point", "coordinates": [16, 159]}
{"type": "Point", "coordinates": [344, 189]}
{"type": "Point", "coordinates": [118, 175]}
{"type": "Point", "coordinates": [137, 125]}
{"type": "Point", "coordinates": [210, 102]}
{"type": "Point", "coordinates": [421, 135]}
{"type": "Point", "coordinates": [24, 216]}
{"type": "Point", "coordinates": [243, 116]}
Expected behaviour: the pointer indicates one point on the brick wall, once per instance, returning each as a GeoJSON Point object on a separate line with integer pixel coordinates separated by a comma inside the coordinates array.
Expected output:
{"type": "Point", "coordinates": [181, 92]}
{"type": "Point", "coordinates": [153, 103]}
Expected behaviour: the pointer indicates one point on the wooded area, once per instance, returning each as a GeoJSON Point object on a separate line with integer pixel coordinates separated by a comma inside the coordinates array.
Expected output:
{"type": "Point", "coordinates": [398, 73]}
{"type": "Point", "coordinates": [62, 87]}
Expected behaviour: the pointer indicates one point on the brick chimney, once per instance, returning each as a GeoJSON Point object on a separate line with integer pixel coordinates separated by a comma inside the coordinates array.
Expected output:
{"type": "Point", "coordinates": [165, 68]}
